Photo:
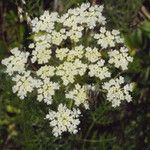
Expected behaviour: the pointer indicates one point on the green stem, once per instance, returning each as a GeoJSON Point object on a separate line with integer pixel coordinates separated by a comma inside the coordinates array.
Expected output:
{"type": "Point", "coordinates": [95, 141]}
{"type": "Point", "coordinates": [70, 104]}
{"type": "Point", "coordinates": [91, 126]}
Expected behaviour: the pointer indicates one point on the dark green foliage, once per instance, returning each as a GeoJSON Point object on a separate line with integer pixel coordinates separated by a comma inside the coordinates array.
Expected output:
{"type": "Point", "coordinates": [22, 126]}
{"type": "Point", "coordinates": [121, 13]}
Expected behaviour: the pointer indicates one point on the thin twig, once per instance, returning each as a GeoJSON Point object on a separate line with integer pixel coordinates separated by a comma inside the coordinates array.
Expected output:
{"type": "Point", "coordinates": [95, 141]}
{"type": "Point", "coordinates": [145, 12]}
{"type": "Point", "coordinates": [55, 5]}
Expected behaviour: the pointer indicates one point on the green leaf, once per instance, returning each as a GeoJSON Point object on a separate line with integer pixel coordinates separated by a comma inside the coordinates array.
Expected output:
{"type": "Point", "coordinates": [2, 49]}
{"type": "Point", "coordinates": [21, 33]}
{"type": "Point", "coordinates": [146, 26]}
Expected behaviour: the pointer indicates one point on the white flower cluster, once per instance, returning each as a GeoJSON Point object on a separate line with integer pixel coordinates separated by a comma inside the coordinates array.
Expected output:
{"type": "Point", "coordinates": [68, 71]}
{"type": "Point", "coordinates": [85, 14]}
{"type": "Point", "coordinates": [47, 90]}
{"type": "Point", "coordinates": [42, 51]}
{"type": "Point", "coordinates": [45, 22]}
{"type": "Point", "coordinates": [92, 54]}
{"type": "Point", "coordinates": [67, 52]}
{"type": "Point", "coordinates": [99, 70]}
{"type": "Point", "coordinates": [79, 95]}
{"type": "Point", "coordinates": [24, 84]}
{"type": "Point", "coordinates": [16, 63]}
{"type": "Point", "coordinates": [117, 92]}
{"type": "Point", "coordinates": [64, 120]}
{"type": "Point", "coordinates": [70, 55]}
{"type": "Point", "coordinates": [108, 39]}
{"type": "Point", "coordinates": [46, 71]}
{"type": "Point", "coordinates": [120, 58]}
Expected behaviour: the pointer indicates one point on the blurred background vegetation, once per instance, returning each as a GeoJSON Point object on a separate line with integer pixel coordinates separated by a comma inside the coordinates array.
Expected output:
{"type": "Point", "coordinates": [22, 126]}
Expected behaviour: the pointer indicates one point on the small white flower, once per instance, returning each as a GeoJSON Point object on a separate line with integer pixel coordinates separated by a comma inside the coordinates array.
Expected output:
{"type": "Point", "coordinates": [57, 37]}
{"type": "Point", "coordinates": [46, 71]}
{"type": "Point", "coordinates": [61, 53]}
{"type": "Point", "coordinates": [45, 23]}
{"type": "Point", "coordinates": [41, 53]}
{"type": "Point", "coordinates": [76, 52]}
{"type": "Point", "coordinates": [105, 38]}
{"type": "Point", "coordinates": [31, 45]}
{"type": "Point", "coordinates": [24, 84]}
{"type": "Point", "coordinates": [79, 95]}
{"type": "Point", "coordinates": [16, 63]}
{"type": "Point", "coordinates": [46, 91]}
{"type": "Point", "coordinates": [117, 92]}
{"type": "Point", "coordinates": [99, 70]}
{"type": "Point", "coordinates": [64, 120]}
{"type": "Point", "coordinates": [120, 59]}
{"type": "Point", "coordinates": [115, 32]}
{"type": "Point", "coordinates": [92, 55]}
{"type": "Point", "coordinates": [68, 71]}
